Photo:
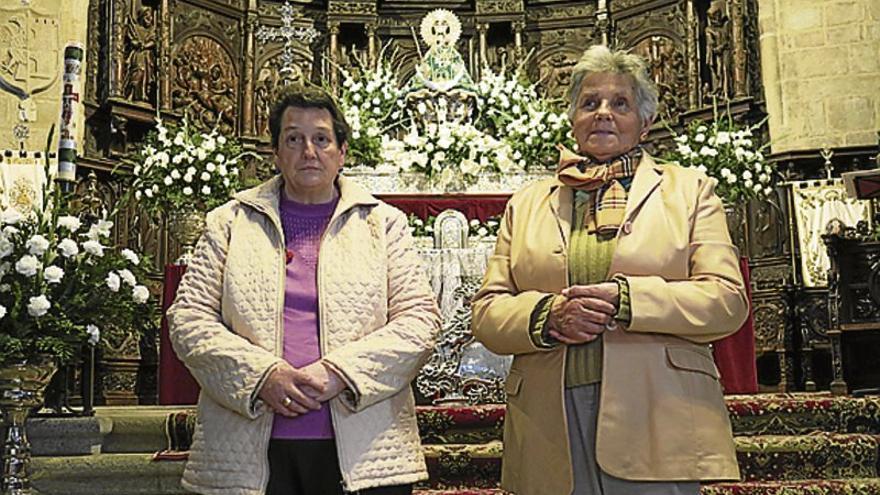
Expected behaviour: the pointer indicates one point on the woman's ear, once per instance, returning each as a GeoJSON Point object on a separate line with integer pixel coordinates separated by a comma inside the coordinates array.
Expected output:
{"type": "Point", "coordinates": [646, 127]}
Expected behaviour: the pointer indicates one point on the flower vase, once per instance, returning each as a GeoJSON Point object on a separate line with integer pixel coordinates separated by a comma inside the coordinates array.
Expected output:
{"type": "Point", "coordinates": [22, 385]}
{"type": "Point", "coordinates": [185, 227]}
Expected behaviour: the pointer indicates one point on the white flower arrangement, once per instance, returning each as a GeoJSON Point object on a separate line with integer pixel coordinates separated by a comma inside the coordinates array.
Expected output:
{"type": "Point", "coordinates": [449, 153]}
{"type": "Point", "coordinates": [516, 128]}
{"type": "Point", "coordinates": [476, 228]}
{"type": "Point", "coordinates": [373, 104]}
{"type": "Point", "coordinates": [52, 295]}
{"type": "Point", "coordinates": [728, 153]}
{"type": "Point", "coordinates": [181, 168]}
{"type": "Point", "coordinates": [528, 123]}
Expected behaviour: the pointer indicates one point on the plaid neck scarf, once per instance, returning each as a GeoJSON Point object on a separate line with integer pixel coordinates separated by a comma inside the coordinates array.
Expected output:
{"type": "Point", "coordinates": [603, 178]}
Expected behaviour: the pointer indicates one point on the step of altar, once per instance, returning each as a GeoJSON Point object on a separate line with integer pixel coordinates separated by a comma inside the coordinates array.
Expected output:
{"type": "Point", "coordinates": [154, 428]}
{"type": "Point", "coordinates": [806, 487]}
{"type": "Point", "coordinates": [761, 458]}
{"type": "Point", "coordinates": [139, 474]}
{"type": "Point", "coordinates": [773, 457]}
{"type": "Point", "coordinates": [783, 442]}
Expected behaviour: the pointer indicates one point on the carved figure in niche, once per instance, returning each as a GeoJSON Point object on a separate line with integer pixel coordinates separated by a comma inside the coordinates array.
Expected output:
{"type": "Point", "coordinates": [441, 85]}
{"type": "Point", "coordinates": [264, 96]}
{"type": "Point", "coordinates": [717, 50]}
{"type": "Point", "coordinates": [668, 72]}
{"type": "Point", "coordinates": [555, 74]}
{"type": "Point", "coordinates": [141, 59]}
{"type": "Point", "coordinates": [499, 57]}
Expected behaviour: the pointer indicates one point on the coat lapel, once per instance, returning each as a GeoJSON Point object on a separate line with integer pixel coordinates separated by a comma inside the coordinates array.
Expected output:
{"type": "Point", "coordinates": [646, 180]}
{"type": "Point", "coordinates": [562, 202]}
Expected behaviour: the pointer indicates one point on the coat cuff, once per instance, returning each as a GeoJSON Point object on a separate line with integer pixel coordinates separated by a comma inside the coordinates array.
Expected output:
{"type": "Point", "coordinates": [539, 323]}
{"type": "Point", "coordinates": [624, 305]}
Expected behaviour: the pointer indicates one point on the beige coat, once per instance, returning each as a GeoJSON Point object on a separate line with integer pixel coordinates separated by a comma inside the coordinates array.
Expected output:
{"type": "Point", "coordinates": [662, 414]}
{"type": "Point", "coordinates": [378, 322]}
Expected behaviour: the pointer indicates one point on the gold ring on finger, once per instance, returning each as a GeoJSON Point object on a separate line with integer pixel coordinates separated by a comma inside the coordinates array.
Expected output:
{"type": "Point", "coordinates": [286, 401]}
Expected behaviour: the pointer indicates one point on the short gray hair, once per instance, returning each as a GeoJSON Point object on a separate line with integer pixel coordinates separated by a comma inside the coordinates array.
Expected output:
{"type": "Point", "coordinates": [600, 59]}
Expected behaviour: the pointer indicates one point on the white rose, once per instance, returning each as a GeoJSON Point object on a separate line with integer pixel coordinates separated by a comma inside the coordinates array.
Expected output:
{"type": "Point", "coordinates": [731, 178]}
{"type": "Point", "coordinates": [127, 277]}
{"type": "Point", "coordinates": [178, 139]}
{"type": "Point", "coordinates": [68, 248]}
{"type": "Point", "coordinates": [6, 247]}
{"type": "Point", "coordinates": [707, 151]}
{"type": "Point", "coordinates": [188, 178]}
{"type": "Point", "coordinates": [168, 181]}
{"type": "Point", "coordinates": [94, 248]}
{"type": "Point", "coordinates": [28, 265]}
{"type": "Point", "coordinates": [149, 192]}
{"type": "Point", "coordinates": [94, 334]}
{"type": "Point", "coordinates": [191, 171]}
{"type": "Point", "coordinates": [53, 274]}
{"type": "Point", "coordinates": [210, 167]}
{"type": "Point", "coordinates": [700, 138]}
{"type": "Point", "coordinates": [11, 216]}
{"type": "Point", "coordinates": [175, 174]}
{"type": "Point", "coordinates": [205, 176]}
{"type": "Point", "coordinates": [201, 154]}
{"type": "Point", "coordinates": [130, 256]}
{"type": "Point", "coordinates": [209, 144]}
{"type": "Point", "coordinates": [222, 170]}
{"type": "Point", "coordinates": [113, 281]}
{"type": "Point", "coordinates": [746, 175]}
{"type": "Point", "coordinates": [38, 306]}
{"type": "Point", "coordinates": [2, 311]}
{"type": "Point", "coordinates": [187, 191]}
{"type": "Point", "coordinates": [219, 159]}
{"type": "Point", "coordinates": [69, 222]}
{"type": "Point", "coordinates": [206, 190]}
{"type": "Point", "coordinates": [103, 227]}
{"type": "Point", "coordinates": [748, 183]}
{"type": "Point", "coordinates": [140, 294]}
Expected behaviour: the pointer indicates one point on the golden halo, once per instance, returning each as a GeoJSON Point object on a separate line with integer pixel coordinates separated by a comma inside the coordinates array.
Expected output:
{"type": "Point", "coordinates": [432, 18]}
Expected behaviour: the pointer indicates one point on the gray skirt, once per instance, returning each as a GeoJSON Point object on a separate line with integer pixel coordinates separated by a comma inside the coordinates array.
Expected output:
{"type": "Point", "coordinates": [582, 410]}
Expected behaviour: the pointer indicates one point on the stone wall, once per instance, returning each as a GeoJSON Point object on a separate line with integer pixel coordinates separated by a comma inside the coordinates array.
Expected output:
{"type": "Point", "coordinates": [33, 35]}
{"type": "Point", "coordinates": [821, 72]}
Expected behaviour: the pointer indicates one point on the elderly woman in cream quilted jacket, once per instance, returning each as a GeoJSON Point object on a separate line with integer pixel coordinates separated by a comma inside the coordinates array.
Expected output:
{"type": "Point", "coordinates": [304, 316]}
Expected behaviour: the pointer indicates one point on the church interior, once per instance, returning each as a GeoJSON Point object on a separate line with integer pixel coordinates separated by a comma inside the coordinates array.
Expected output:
{"type": "Point", "coordinates": [798, 81]}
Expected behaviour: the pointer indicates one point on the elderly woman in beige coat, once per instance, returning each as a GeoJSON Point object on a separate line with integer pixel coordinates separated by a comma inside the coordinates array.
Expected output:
{"type": "Point", "coordinates": [607, 283]}
{"type": "Point", "coordinates": [304, 316]}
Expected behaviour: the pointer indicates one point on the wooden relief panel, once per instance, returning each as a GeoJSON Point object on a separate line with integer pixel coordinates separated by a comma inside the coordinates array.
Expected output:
{"type": "Point", "coordinates": [205, 82]}
{"type": "Point", "coordinates": [666, 60]}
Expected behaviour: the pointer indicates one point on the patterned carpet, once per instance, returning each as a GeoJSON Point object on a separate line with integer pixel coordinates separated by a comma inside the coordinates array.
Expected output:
{"type": "Point", "coordinates": [787, 444]}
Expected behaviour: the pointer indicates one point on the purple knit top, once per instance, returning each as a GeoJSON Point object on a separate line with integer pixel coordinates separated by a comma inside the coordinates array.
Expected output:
{"type": "Point", "coordinates": [303, 225]}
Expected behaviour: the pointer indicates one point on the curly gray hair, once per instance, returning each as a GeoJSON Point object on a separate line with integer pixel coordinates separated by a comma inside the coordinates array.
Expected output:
{"type": "Point", "coordinates": [599, 59]}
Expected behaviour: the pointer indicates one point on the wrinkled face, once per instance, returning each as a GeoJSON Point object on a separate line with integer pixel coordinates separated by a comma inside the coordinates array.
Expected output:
{"type": "Point", "coordinates": [308, 155]}
{"type": "Point", "coordinates": [606, 121]}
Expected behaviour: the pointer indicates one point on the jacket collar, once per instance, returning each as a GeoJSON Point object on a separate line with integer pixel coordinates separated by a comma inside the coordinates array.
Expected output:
{"type": "Point", "coordinates": [266, 197]}
{"type": "Point", "coordinates": [647, 177]}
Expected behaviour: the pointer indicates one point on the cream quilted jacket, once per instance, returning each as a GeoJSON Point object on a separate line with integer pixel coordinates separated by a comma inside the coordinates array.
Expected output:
{"type": "Point", "coordinates": [378, 322]}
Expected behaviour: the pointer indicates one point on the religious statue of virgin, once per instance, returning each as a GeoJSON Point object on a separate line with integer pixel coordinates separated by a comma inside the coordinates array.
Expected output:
{"type": "Point", "coordinates": [442, 88]}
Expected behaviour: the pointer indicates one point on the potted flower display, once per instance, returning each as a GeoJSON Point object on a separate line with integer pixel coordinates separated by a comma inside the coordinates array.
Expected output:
{"type": "Point", "coordinates": [183, 172]}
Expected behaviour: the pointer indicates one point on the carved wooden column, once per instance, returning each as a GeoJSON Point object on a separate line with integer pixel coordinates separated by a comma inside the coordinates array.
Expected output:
{"type": "Point", "coordinates": [163, 98]}
{"type": "Point", "coordinates": [693, 56]}
{"type": "Point", "coordinates": [252, 21]}
{"type": "Point", "coordinates": [117, 12]}
{"type": "Point", "coordinates": [739, 48]}
{"type": "Point", "coordinates": [603, 21]}
{"type": "Point", "coordinates": [518, 28]}
{"type": "Point", "coordinates": [482, 29]}
{"type": "Point", "coordinates": [371, 44]}
{"type": "Point", "coordinates": [333, 27]}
